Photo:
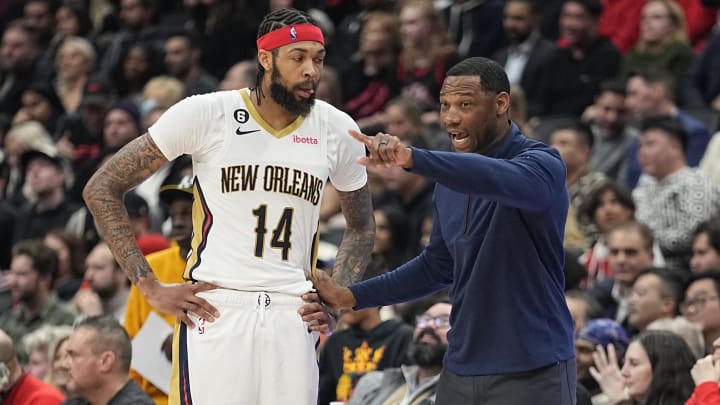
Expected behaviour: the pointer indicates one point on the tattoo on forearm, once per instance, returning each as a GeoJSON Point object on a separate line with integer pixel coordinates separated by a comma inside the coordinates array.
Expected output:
{"type": "Point", "coordinates": [103, 195]}
{"type": "Point", "coordinates": [354, 252]}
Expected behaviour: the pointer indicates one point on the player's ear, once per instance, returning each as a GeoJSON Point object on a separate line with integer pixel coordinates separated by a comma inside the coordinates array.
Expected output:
{"type": "Point", "coordinates": [265, 59]}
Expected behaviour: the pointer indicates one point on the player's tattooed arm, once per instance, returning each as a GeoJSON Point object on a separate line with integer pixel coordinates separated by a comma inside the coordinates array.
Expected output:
{"type": "Point", "coordinates": [354, 253]}
{"type": "Point", "coordinates": [103, 195]}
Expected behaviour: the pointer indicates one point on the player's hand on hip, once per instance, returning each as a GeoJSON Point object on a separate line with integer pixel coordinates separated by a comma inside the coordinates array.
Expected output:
{"type": "Point", "coordinates": [179, 299]}
{"type": "Point", "coordinates": [318, 316]}
{"type": "Point", "coordinates": [331, 293]}
{"type": "Point", "coordinates": [385, 150]}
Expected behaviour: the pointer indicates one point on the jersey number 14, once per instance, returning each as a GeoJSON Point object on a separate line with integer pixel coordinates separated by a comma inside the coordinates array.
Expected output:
{"type": "Point", "coordinates": [280, 235]}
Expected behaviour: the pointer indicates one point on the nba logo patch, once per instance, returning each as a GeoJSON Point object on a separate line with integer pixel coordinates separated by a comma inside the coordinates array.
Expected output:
{"type": "Point", "coordinates": [201, 326]}
{"type": "Point", "coordinates": [293, 34]}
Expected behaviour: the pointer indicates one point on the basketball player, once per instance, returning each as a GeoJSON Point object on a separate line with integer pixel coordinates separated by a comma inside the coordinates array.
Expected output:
{"type": "Point", "coordinates": [261, 157]}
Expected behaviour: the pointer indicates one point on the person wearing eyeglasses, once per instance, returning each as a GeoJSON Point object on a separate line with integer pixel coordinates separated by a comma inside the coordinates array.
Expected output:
{"type": "Point", "coordinates": [413, 383]}
{"type": "Point", "coordinates": [702, 305]}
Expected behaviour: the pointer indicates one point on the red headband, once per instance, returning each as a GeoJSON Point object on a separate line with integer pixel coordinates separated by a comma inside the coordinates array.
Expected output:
{"type": "Point", "coordinates": [288, 35]}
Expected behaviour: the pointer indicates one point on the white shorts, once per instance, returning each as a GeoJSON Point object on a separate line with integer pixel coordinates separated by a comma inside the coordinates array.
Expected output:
{"type": "Point", "coordinates": [258, 352]}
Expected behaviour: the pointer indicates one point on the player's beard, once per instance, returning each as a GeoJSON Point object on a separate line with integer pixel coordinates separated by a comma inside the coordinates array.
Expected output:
{"type": "Point", "coordinates": [286, 98]}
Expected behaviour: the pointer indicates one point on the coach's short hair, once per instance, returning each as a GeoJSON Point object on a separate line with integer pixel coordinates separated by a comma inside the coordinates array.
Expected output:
{"type": "Point", "coordinates": [493, 78]}
{"type": "Point", "coordinates": [110, 336]}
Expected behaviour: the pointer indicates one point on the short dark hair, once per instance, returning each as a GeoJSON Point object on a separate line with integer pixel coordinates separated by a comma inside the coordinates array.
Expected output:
{"type": "Point", "coordinates": [192, 37]}
{"type": "Point", "coordinates": [45, 260]}
{"type": "Point", "coordinates": [532, 5]}
{"type": "Point", "coordinates": [671, 283]}
{"type": "Point", "coordinates": [713, 275]}
{"type": "Point", "coordinates": [622, 194]}
{"type": "Point", "coordinates": [593, 7]}
{"type": "Point", "coordinates": [712, 229]}
{"type": "Point", "coordinates": [594, 308]}
{"type": "Point", "coordinates": [493, 78]}
{"type": "Point", "coordinates": [581, 130]}
{"type": "Point", "coordinates": [614, 86]}
{"type": "Point", "coordinates": [275, 20]}
{"type": "Point", "coordinates": [634, 226]}
{"type": "Point", "coordinates": [670, 126]}
{"type": "Point", "coordinates": [110, 336]}
{"type": "Point", "coordinates": [656, 75]}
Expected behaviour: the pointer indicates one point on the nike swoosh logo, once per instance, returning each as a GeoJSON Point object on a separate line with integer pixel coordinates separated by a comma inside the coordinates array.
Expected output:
{"type": "Point", "coordinates": [239, 132]}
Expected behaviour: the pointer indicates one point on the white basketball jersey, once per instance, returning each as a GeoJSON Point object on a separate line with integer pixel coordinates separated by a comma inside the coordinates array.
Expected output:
{"type": "Point", "coordinates": [257, 190]}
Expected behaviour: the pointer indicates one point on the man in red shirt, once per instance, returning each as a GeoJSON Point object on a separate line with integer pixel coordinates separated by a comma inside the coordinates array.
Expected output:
{"type": "Point", "coordinates": [18, 388]}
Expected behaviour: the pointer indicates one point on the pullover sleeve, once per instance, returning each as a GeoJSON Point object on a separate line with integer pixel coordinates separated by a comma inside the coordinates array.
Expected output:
{"type": "Point", "coordinates": [528, 181]}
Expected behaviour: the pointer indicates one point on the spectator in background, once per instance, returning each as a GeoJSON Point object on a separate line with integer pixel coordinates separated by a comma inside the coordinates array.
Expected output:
{"type": "Point", "coordinates": [391, 233]}
{"type": "Point", "coordinates": [655, 294]}
{"type": "Point", "coordinates": [583, 308]}
{"type": "Point", "coordinates": [182, 61]}
{"type": "Point", "coordinates": [610, 205]}
{"type": "Point", "coordinates": [136, 24]}
{"type": "Point", "coordinates": [574, 141]}
{"type": "Point", "coordinates": [650, 93]}
{"type": "Point", "coordinates": [329, 89]}
{"type": "Point", "coordinates": [74, 63]}
{"type": "Point", "coordinates": [706, 375]}
{"type": "Point", "coordinates": [109, 289]}
{"type": "Point", "coordinates": [677, 198]}
{"type": "Point", "coordinates": [37, 345]}
{"type": "Point", "coordinates": [412, 193]}
{"type": "Point", "coordinates": [403, 118]}
{"type": "Point", "coordinates": [21, 138]}
{"type": "Point", "coordinates": [656, 370]}
{"type": "Point", "coordinates": [139, 213]}
{"type": "Point", "coordinates": [240, 76]}
{"type": "Point", "coordinates": [572, 75]}
{"type": "Point", "coordinates": [601, 332]}
{"type": "Point", "coordinates": [663, 43]}
{"type": "Point", "coordinates": [58, 377]}
{"type": "Point", "coordinates": [48, 175]}
{"type": "Point", "coordinates": [629, 252]}
{"type": "Point", "coordinates": [702, 87]}
{"type": "Point", "coordinates": [71, 262]}
{"type": "Point", "coordinates": [620, 23]}
{"type": "Point", "coordinates": [475, 27]}
{"type": "Point", "coordinates": [138, 64]}
{"type": "Point", "coordinates": [20, 388]}
{"type": "Point", "coordinates": [368, 78]}
{"type": "Point", "coordinates": [98, 360]}
{"type": "Point", "coordinates": [18, 54]}
{"type": "Point", "coordinates": [122, 125]}
{"type": "Point", "coordinates": [701, 305]}
{"type": "Point", "coordinates": [40, 103]}
{"type": "Point", "coordinates": [691, 332]}
{"type": "Point", "coordinates": [32, 270]}
{"type": "Point", "coordinates": [706, 246]}
{"type": "Point", "coordinates": [608, 120]}
{"type": "Point", "coordinates": [526, 55]}
{"type": "Point", "coordinates": [39, 16]}
{"type": "Point", "coordinates": [415, 382]}
{"type": "Point", "coordinates": [426, 55]}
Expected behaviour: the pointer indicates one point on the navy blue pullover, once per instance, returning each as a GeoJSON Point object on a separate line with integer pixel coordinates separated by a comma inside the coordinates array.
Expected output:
{"type": "Point", "coordinates": [496, 242]}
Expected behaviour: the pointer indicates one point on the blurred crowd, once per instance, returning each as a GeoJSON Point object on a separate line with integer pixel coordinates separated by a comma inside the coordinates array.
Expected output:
{"type": "Point", "coordinates": [628, 91]}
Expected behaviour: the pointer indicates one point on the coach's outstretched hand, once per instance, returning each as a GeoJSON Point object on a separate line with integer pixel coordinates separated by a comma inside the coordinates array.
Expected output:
{"type": "Point", "coordinates": [330, 292]}
{"type": "Point", "coordinates": [385, 150]}
{"type": "Point", "coordinates": [179, 299]}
